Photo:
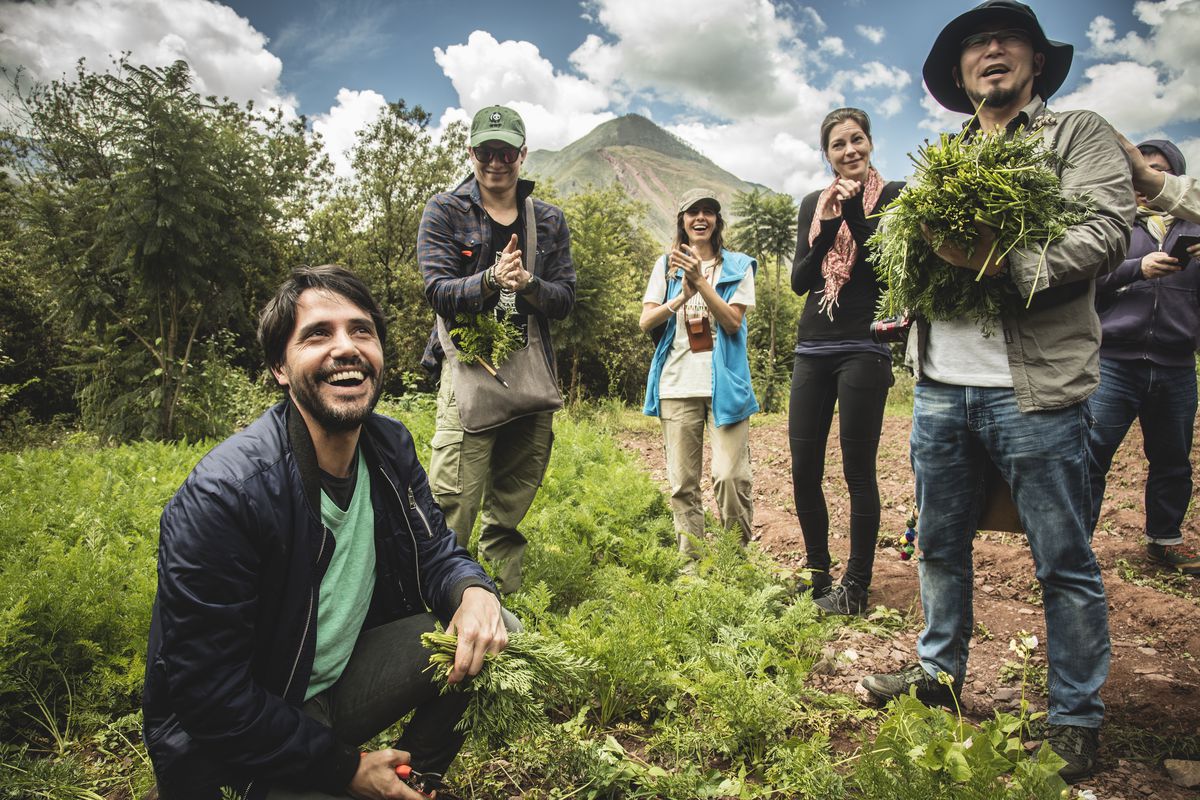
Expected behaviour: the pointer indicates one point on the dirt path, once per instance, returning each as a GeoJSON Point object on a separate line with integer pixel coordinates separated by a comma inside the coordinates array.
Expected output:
{"type": "Point", "coordinates": [1153, 690]}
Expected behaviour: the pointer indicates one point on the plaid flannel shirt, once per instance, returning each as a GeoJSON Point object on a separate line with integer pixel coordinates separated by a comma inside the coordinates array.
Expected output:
{"type": "Point", "coordinates": [454, 248]}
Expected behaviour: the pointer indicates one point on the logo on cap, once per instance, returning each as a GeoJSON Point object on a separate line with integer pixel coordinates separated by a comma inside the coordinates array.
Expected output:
{"type": "Point", "coordinates": [495, 116]}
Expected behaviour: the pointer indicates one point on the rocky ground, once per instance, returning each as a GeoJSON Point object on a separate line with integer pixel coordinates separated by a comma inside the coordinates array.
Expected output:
{"type": "Point", "coordinates": [1153, 690]}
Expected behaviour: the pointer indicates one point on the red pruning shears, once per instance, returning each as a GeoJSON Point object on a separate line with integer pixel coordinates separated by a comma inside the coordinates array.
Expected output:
{"type": "Point", "coordinates": [414, 779]}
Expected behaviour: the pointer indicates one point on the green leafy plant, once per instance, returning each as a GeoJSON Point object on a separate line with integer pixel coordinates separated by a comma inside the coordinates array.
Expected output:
{"type": "Point", "coordinates": [483, 337]}
{"type": "Point", "coordinates": [924, 751]}
{"type": "Point", "coordinates": [1008, 183]}
{"type": "Point", "coordinates": [510, 694]}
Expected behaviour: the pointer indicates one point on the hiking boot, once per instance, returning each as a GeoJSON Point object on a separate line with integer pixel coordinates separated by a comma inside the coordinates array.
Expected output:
{"type": "Point", "coordinates": [1177, 556]}
{"type": "Point", "coordinates": [847, 599]}
{"type": "Point", "coordinates": [930, 691]}
{"type": "Point", "coordinates": [1077, 746]}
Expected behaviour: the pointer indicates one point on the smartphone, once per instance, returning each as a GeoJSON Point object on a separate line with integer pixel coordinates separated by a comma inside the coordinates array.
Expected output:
{"type": "Point", "coordinates": [1179, 250]}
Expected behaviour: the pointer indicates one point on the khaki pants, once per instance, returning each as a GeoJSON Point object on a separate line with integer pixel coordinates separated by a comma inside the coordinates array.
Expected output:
{"type": "Point", "coordinates": [501, 468]}
{"type": "Point", "coordinates": [683, 422]}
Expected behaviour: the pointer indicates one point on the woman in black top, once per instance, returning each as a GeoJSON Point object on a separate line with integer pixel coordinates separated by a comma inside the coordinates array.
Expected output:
{"type": "Point", "coordinates": [836, 360]}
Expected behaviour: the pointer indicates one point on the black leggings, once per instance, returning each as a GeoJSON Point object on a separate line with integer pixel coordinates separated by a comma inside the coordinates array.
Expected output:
{"type": "Point", "coordinates": [859, 383]}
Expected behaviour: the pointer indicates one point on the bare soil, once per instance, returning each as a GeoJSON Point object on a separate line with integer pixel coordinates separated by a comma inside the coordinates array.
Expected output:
{"type": "Point", "coordinates": [1153, 690]}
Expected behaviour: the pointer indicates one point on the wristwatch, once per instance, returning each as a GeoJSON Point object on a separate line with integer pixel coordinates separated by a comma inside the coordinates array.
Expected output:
{"type": "Point", "coordinates": [532, 286]}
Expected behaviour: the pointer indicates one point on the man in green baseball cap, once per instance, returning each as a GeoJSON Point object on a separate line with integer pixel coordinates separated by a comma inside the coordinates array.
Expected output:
{"type": "Point", "coordinates": [489, 247]}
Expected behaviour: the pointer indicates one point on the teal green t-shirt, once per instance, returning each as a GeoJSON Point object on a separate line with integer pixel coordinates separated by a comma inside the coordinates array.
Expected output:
{"type": "Point", "coordinates": [348, 583]}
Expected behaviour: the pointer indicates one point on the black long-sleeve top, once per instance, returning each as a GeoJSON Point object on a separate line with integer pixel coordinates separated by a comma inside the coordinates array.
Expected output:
{"type": "Point", "coordinates": [859, 296]}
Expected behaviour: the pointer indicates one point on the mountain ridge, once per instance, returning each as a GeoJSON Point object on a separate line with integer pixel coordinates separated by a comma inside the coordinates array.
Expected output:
{"type": "Point", "coordinates": [652, 164]}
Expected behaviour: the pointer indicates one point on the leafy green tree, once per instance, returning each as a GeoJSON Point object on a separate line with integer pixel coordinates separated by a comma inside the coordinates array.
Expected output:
{"type": "Point", "coordinates": [33, 339]}
{"type": "Point", "coordinates": [600, 344]}
{"type": "Point", "coordinates": [766, 229]}
{"type": "Point", "coordinates": [160, 214]}
{"type": "Point", "coordinates": [369, 222]}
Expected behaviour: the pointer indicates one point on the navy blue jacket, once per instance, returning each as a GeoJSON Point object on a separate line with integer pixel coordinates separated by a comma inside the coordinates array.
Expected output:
{"type": "Point", "coordinates": [242, 552]}
{"type": "Point", "coordinates": [1156, 320]}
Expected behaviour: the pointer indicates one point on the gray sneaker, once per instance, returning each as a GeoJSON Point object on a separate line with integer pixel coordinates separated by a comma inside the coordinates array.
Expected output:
{"type": "Point", "coordinates": [1077, 746]}
{"type": "Point", "coordinates": [930, 691]}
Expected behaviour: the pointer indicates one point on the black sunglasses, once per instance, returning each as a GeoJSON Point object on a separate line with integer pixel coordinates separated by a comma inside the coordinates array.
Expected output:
{"type": "Point", "coordinates": [1007, 38]}
{"type": "Point", "coordinates": [507, 155]}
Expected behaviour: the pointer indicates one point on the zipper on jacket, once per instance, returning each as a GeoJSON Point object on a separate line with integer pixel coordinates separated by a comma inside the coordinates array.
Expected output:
{"type": "Point", "coordinates": [412, 499]}
{"type": "Point", "coordinates": [307, 616]}
{"type": "Point", "coordinates": [412, 534]}
{"type": "Point", "coordinates": [303, 635]}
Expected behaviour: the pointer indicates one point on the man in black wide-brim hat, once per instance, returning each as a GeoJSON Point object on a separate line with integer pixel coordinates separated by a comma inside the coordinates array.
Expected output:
{"type": "Point", "coordinates": [1017, 398]}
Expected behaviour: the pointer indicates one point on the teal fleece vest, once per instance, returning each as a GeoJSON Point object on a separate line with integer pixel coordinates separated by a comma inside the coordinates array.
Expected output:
{"type": "Point", "coordinates": [732, 393]}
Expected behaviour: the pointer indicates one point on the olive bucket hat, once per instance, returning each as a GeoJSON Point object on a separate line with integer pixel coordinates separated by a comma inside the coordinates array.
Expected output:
{"type": "Point", "coordinates": [947, 49]}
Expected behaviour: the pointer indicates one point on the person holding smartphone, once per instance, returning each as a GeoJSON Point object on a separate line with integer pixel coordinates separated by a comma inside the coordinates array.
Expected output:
{"type": "Point", "coordinates": [1150, 318]}
{"type": "Point", "coordinates": [700, 373]}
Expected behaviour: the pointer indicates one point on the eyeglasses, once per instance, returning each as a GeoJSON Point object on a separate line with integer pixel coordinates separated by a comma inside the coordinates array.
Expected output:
{"type": "Point", "coordinates": [1006, 38]}
{"type": "Point", "coordinates": [507, 155]}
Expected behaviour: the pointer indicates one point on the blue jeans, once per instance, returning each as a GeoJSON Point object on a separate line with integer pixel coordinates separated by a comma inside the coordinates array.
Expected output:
{"type": "Point", "coordinates": [1044, 458]}
{"type": "Point", "coordinates": [1163, 400]}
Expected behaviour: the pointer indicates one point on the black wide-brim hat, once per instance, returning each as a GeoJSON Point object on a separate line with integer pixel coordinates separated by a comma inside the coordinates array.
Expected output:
{"type": "Point", "coordinates": [947, 50]}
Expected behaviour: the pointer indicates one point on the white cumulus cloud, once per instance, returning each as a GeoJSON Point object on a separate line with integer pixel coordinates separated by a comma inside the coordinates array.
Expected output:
{"type": "Point", "coordinates": [1146, 81]}
{"type": "Point", "coordinates": [228, 56]}
{"type": "Point", "coordinates": [873, 35]}
{"type": "Point", "coordinates": [557, 107]}
{"type": "Point", "coordinates": [745, 68]}
{"type": "Point", "coordinates": [833, 45]}
{"type": "Point", "coordinates": [875, 75]}
{"type": "Point", "coordinates": [340, 126]}
{"type": "Point", "coordinates": [738, 57]}
{"type": "Point", "coordinates": [939, 119]}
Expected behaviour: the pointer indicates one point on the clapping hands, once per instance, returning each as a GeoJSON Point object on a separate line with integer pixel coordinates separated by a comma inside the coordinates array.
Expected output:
{"type": "Point", "coordinates": [509, 270]}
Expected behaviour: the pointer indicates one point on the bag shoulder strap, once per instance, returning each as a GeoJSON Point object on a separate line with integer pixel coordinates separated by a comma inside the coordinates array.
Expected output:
{"type": "Point", "coordinates": [530, 236]}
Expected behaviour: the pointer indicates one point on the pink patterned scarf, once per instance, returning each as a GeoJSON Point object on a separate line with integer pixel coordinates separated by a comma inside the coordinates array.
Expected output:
{"type": "Point", "coordinates": [839, 261]}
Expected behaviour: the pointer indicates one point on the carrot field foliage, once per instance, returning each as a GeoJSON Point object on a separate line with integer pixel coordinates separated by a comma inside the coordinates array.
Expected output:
{"type": "Point", "coordinates": [78, 538]}
{"type": "Point", "coordinates": [695, 686]}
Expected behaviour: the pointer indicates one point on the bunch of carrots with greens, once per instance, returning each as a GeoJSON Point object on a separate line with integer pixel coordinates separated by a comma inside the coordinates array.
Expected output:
{"type": "Point", "coordinates": [511, 694]}
{"type": "Point", "coordinates": [484, 337]}
{"type": "Point", "coordinates": [1008, 183]}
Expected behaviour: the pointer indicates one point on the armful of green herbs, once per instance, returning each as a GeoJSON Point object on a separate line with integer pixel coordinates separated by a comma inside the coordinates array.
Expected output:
{"type": "Point", "coordinates": [1009, 183]}
{"type": "Point", "coordinates": [482, 336]}
{"type": "Point", "coordinates": [510, 695]}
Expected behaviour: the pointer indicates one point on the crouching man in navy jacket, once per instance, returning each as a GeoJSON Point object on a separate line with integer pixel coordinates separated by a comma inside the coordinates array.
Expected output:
{"type": "Point", "coordinates": [298, 566]}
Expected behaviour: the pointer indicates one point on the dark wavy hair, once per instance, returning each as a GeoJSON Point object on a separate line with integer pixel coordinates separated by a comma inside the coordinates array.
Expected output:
{"type": "Point", "coordinates": [278, 318]}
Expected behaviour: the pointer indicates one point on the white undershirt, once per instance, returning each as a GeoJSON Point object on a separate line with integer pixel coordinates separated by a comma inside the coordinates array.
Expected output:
{"type": "Point", "coordinates": [959, 354]}
{"type": "Point", "coordinates": [688, 374]}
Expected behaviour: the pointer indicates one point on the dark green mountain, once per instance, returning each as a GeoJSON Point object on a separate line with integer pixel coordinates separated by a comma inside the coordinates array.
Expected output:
{"type": "Point", "coordinates": [653, 165]}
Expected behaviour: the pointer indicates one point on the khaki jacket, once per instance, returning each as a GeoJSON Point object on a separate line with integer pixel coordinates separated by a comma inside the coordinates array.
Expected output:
{"type": "Point", "coordinates": [1053, 348]}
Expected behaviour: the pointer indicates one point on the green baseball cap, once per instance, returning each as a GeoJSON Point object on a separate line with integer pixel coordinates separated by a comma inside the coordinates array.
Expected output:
{"type": "Point", "coordinates": [497, 123]}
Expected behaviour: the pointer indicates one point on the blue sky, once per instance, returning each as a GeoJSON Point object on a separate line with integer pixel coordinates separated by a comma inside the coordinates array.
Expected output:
{"type": "Point", "coordinates": [746, 81]}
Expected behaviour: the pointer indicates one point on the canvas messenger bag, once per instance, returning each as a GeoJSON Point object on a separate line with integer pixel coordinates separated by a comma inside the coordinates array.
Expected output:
{"type": "Point", "coordinates": [483, 402]}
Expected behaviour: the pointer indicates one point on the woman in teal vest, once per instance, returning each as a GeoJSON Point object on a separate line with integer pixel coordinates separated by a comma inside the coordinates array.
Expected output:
{"type": "Point", "coordinates": [700, 373]}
